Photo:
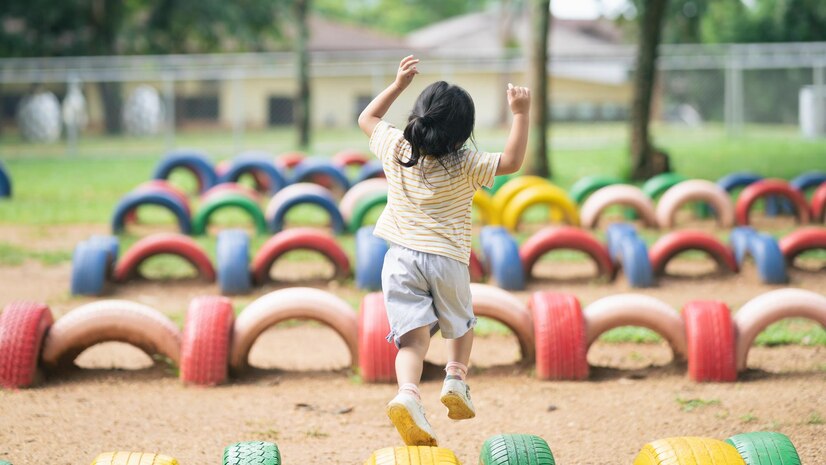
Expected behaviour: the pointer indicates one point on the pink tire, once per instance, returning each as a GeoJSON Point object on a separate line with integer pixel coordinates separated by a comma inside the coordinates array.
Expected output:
{"type": "Point", "coordinates": [289, 160]}
{"type": "Point", "coordinates": [559, 330]}
{"type": "Point", "coordinates": [347, 158]}
{"type": "Point", "coordinates": [364, 189]}
{"type": "Point", "coordinates": [636, 310]}
{"type": "Point", "coordinates": [205, 341]}
{"type": "Point", "coordinates": [295, 239]}
{"type": "Point", "coordinates": [232, 187]}
{"type": "Point", "coordinates": [475, 268]}
{"type": "Point", "coordinates": [670, 245]}
{"type": "Point", "coordinates": [819, 204]}
{"type": "Point", "coordinates": [110, 320]}
{"type": "Point", "coordinates": [770, 187]}
{"type": "Point", "coordinates": [565, 237]}
{"type": "Point", "coordinates": [377, 357]}
{"type": "Point", "coordinates": [800, 241]}
{"type": "Point", "coordinates": [500, 305]}
{"type": "Point", "coordinates": [618, 194]}
{"type": "Point", "coordinates": [765, 309]}
{"type": "Point", "coordinates": [695, 190]}
{"type": "Point", "coordinates": [22, 328]}
{"type": "Point", "coordinates": [158, 244]}
{"type": "Point", "coordinates": [160, 185]}
{"type": "Point", "coordinates": [711, 341]}
{"type": "Point", "coordinates": [288, 304]}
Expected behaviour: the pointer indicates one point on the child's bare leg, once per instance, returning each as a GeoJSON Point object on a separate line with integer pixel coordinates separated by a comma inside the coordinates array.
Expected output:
{"type": "Point", "coordinates": [410, 359]}
{"type": "Point", "coordinates": [405, 410]}
{"type": "Point", "coordinates": [455, 393]}
{"type": "Point", "coordinates": [458, 355]}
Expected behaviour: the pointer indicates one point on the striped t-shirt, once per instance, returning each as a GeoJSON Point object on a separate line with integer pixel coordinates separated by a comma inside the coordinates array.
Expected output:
{"type": "Point", "coordinates": [429, 213]}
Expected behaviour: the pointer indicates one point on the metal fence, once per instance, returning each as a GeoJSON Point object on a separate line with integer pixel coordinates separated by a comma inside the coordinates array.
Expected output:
{"type": "Point", "coordinates": [159, 102]}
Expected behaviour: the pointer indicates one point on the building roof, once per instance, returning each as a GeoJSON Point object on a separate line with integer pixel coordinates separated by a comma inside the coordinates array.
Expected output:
{"type": "Point", "coordinates": [331, 36]}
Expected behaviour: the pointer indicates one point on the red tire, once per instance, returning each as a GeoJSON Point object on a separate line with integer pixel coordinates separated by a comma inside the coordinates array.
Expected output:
{"type": "Point", "coordinates": [294, 239]}
{"type": "Point", "coordinates": [377, 357]}
{"type": "Point", "coordinates": [167, 243]}
{"type": "Point", "coordinates": [801, 241]}
{"type": "Point", "coordinates": [559, 330]}
{"type": "Point", "coordinates": [565, 237]}
{"type": "Point", "coordinates": [159, 185]}
{"type": "Point", "coordinates": [668, 246]}
{"type": "Point", "coordinates": [477, 271]}
{"type": "Point", "coordinates": [773, 187]}
{"type": "Point", "coordinates": [711, 341]}
{"type": "Point", "coordinates": [205, 341]}
{"type": "Point", "coordinates": [289, 160]}
{"type": "Point", "coordinates": [819, 204]}
{"type": "Point", "coordinates": [22, 327]}
{"type": "Point", "coordinates": [347, 158]}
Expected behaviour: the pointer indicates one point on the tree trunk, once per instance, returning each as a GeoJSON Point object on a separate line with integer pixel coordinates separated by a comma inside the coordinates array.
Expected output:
{"type": "Point", "coordinates": [110, 94]}
{"type": "Point", "coordinates": [646, 161]}
{"type": "Point", "coordinates": [302, 108]}
{"type": "Point", "coordinates": [536, 162]}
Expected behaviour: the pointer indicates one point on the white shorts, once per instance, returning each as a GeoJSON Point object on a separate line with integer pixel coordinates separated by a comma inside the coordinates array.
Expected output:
{"type": "Point", "coordinates": [423, 289]}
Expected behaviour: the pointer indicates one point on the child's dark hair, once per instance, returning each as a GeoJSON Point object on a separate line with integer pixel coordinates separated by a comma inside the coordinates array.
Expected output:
{"type": "Point", "coordinates": [440, 123]}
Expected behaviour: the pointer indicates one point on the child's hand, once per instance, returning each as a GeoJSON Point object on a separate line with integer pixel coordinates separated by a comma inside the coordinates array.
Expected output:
{"type": "Point", "coordinates": [519, 99]}
{"type": "Point", "coordinates": [407, 69]}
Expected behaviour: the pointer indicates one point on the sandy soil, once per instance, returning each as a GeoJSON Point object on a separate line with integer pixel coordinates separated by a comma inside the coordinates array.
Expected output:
{"type": "Point", "coordinates": [315, 409]}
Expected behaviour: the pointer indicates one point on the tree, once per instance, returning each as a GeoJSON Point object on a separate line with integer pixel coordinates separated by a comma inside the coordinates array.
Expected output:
{"type": "Point", "coordinates": [395, 16]}
{"type": "Point", "coordinates": [302, 61]}
{"type": "Point", "coordinates": [536, 162]}
{"type": "Point", "coordinates": [646, 161]}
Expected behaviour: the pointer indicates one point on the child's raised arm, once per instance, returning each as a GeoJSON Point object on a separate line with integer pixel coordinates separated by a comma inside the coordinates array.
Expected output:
{"type": "Point", "coordinates": [370, 117]}
{"type": "Point", "coordinates": [519, 99]}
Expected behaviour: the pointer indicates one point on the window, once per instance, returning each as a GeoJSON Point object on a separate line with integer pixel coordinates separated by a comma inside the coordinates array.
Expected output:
{"type": "Point", "coordinates": [281, 111]}
{"type": "Point", "coordinates": [199, 107]}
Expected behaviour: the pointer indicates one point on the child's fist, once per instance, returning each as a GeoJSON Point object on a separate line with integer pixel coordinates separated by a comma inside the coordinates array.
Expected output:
{"type": "Point", "coordinates": [519, 99]}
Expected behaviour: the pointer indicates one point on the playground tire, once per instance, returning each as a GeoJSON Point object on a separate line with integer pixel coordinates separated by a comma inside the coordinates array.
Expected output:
{"type": "Point", "coordinates": [357, 192]}
{"type": "Point", "coordinates": [287, 304]}
{"type": "Point", "coordinates": [195, 162]}
{"type": "Point", "coordinates": [770, 261]}
{"type": "Point", "coordinates": [559, 331]}
{"type": "Point", "coordinates": [310, 168]}
{"type": "Point", "coordinates": [133, 458]}
{"type": "Point", "coordinates": [655, 186]}
{"type": "Point", "coordinates": [565, 237]}
{"type": "Point", "coordinates": [765, 448]}
{"type": "Point", "coordinates": [773, 187]}
{"type": "Point", "coordinates": [159, 185]}
{"type": "Point", "coordinates": [230, 188]}
{"type": "Point", "coordinates": [370, 251]}
{"type": "Point", "coordinates": [377, 356]}
{"type": "Point", "coordinates": [5, 181]}
{"type": "Point", "coordinates": [205, 341]}
{"type": "Point", "coordinates": [484, 205]}
{"type": "Point", "coordinates": [90, 266]}
{"type": "Point", "coordinates": [301, 193]}
{"type": "Point", "coordinates": [819, 204]}
{"type": "Point", "coordinates": [295, 239]}
{"type": "Point", "coordinates": [500, 305]}
{"type": "Point", "coordinates": [688, 451]}
{"type": "Point", "coordinates": [710, 336]}
{"type": "Point", "coordinates": [363, 207]}
{"type": "Point", "coordinates": [164, 243]}
{"type": "Point", "coordinates": [289, 160]}
{"type": "Point", "coordinates": [588, 185]}
{"type": "Point", "coordinates": [695, 190]}
{"type": "Point", "coordinates": [371, 169]}
{"type": "Point", "coordinates": [502, 257]}
{"type": "Point", "coordinates": [413, 455]}
{"type": "Point", "coordinates": [22, 328]}
{"type": "Point", "coordinates": [739, 240]}
{"type": "Point", "coordinates": [260, 165]}
{"type": "Point", "coordinates": [252, 453]}
{"type": "Point", "coordinates": [802, 240]}
{"type": "Point", "coordinates": [613, 238]}
{"type": "Point", "coordinates": [232, 259]}
{"type": "Point", "coordinates": [110, 320]}
{"type": "Point", "coordinates": [618, 194]}
{"type": "Point", "coordinates": [347, 158]}
{"type": "Point", "coordinates": [674, 243]}
{"type": "Point", "coordinates": [548, 194]}
{"type": "Point", "coordinates": [516, 449]}
{"type": "Point", "coordinates": [200, 220]}
{"type": "Point", "coordinates": [130, 202]}
{"type": "Point", "coordinates": [636, 265]}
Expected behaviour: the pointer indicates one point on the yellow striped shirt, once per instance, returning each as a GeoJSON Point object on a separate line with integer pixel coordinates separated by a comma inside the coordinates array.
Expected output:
{"type": "Point", "coordinates": [429, 213]}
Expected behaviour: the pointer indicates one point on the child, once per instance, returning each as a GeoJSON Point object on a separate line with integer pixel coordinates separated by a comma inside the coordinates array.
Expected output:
{"type": "Point", "coordinates": [432, 177]}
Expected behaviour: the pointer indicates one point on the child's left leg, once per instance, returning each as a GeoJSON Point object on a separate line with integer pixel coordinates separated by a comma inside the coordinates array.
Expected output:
{"type": "Point", "coordinates": [455, 392]}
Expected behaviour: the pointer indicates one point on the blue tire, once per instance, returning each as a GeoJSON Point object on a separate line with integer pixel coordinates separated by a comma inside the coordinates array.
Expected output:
{"type": "Point", "coordinates": [739, 240]}
{"type": "Point", "coordinates": [276, 223]}
{"type": "Point", "coordinates": [195, 161]}
{"type": "Point", "coordinates": [245, 164]}
{"type": "Point", "coordinates": [633, 255]}
{"type": "Point", "coordinates": [371, 169]}
{"type": "Point", "coordinates": [771, 264]}
{"type": "Point", "coordinates": [136, 199]}
{"type": "Point", "coordinates": [311, 167]}
{"type": "Point", "coordinates": [89, 266]}
{"type": "Point", "coordinates": [232, 257]}
{"type": "Point", "coordinates": [728, 183]}
{"type": "Point", "coordinates": [370, 251]}
{"type": "Point", "coordinates": [802, 182]}
{"type": "Point", "coordinates": [5, 181]}
{"type": "Point", "coordinates": [112, 246]}
{"type": "Point", "coordinates": [485, 239]}
{"type": "Point", "coordinates": [613, 238]}
{"type": "Point", "coordinates": [502, 256]}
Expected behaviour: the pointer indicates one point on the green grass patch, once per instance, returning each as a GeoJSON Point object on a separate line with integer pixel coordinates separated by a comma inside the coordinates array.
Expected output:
{"type": "Point", "coordinates": [630, 334]}
{"type": "Point", "coordinates": [797, 331]}
{"type": "Point", "coordinates": [689, 405]}
{"type": "Point", "coordinates": [12, 255]}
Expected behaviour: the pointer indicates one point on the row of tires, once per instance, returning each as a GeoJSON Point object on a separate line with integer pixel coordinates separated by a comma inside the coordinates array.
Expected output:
{"type": "Point", "coordinates": [553, 331]}
{"type": "Point", "coordinates": [755, 448]}
{"type": "Point", "coordinates": [5, 181]}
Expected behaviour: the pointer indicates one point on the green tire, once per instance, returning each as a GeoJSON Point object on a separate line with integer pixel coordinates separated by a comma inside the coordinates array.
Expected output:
{"type": "Point", "coordinates": [252, 453]}
{"type": "Point", "coordinates": [228, 199]}
{"type": "Point", "coordinates": [516, 449]}
{"type": "Point", "coordinates": [660, 183]}
{"type": "Point", "coordinates": [3, 462]}
{"type": "Point", "coordinates": [765, 448]}
{"type": "Point", "coordinates": [363, 207]}
{"type": "Point", "coordinates": [498, 182]}
{"type": "Point", "coordinates": [587, 185]}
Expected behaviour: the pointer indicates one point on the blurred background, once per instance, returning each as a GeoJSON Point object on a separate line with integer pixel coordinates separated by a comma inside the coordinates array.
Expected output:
{"type": "Point", "coordinates": [134, 77]}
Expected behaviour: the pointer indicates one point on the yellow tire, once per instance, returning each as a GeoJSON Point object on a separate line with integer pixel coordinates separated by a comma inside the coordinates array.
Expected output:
{"type": "Point", "coordinates": [549, 194]}
{"type": "Point", "coordinates": [688, 451]}
{"type": "Point", "coordinates": [133, 458]}
{"type": "Point", "coordinates": [509, 190]}
{"type": "Point", "coordinates": [484, 203]}
{"type": "Point", "coordinates": [413, 455]}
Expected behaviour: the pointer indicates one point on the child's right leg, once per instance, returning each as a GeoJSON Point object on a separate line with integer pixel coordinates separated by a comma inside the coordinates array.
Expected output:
{"type": "Point", "coordinates": [405, 410]}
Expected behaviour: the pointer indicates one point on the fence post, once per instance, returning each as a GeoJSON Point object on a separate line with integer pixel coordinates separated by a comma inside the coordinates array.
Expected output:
{"type": "Point", "coordinates": [238, 121]}
{"type": "Point", "coordinates": [820, 99]}
{"type": "Point", "coordinates": [169, 96]}
{"type": "Point", "coordinates": [733, 97]}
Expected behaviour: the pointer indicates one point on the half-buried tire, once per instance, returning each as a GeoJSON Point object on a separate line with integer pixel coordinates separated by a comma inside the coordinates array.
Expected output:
{"type": "Point", "coordinates": [710, 337]}
{"type": "Point", "coordinates": [133, 458]}
{"type": "Point", "coordinates": [205, 341]}
{"type": "Point", "coordinates": [22, 327]}
{"type": "Point", "coordinates": [688, 451]}
{"type": "Point", "coordinates": [765, 448]}
{"type": "Point", "coordinates": [90, 266]}
{"type": "Point", "coordinates": [559, 330]}
{"type": "Point", "coordinates": [165, 243]}
{"type": "Point", "coordinates": [377, 357]}
{"type": "Point", "coordinates": [295, 239]}
{"type": "Point", "coordinates": [252, 453]}
{"type": "Point", "coordinates": [413, 455]}
{"type": "Point", "coordinates": [232, 257]}
{"type": "Point", "coordinates": [370, 252]}
{"type": "Point", "coordinates": [516, 449]}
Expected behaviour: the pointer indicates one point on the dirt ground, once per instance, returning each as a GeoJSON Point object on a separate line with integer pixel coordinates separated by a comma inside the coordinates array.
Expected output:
{"type": "Point", "coordinates": [303, 396]}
